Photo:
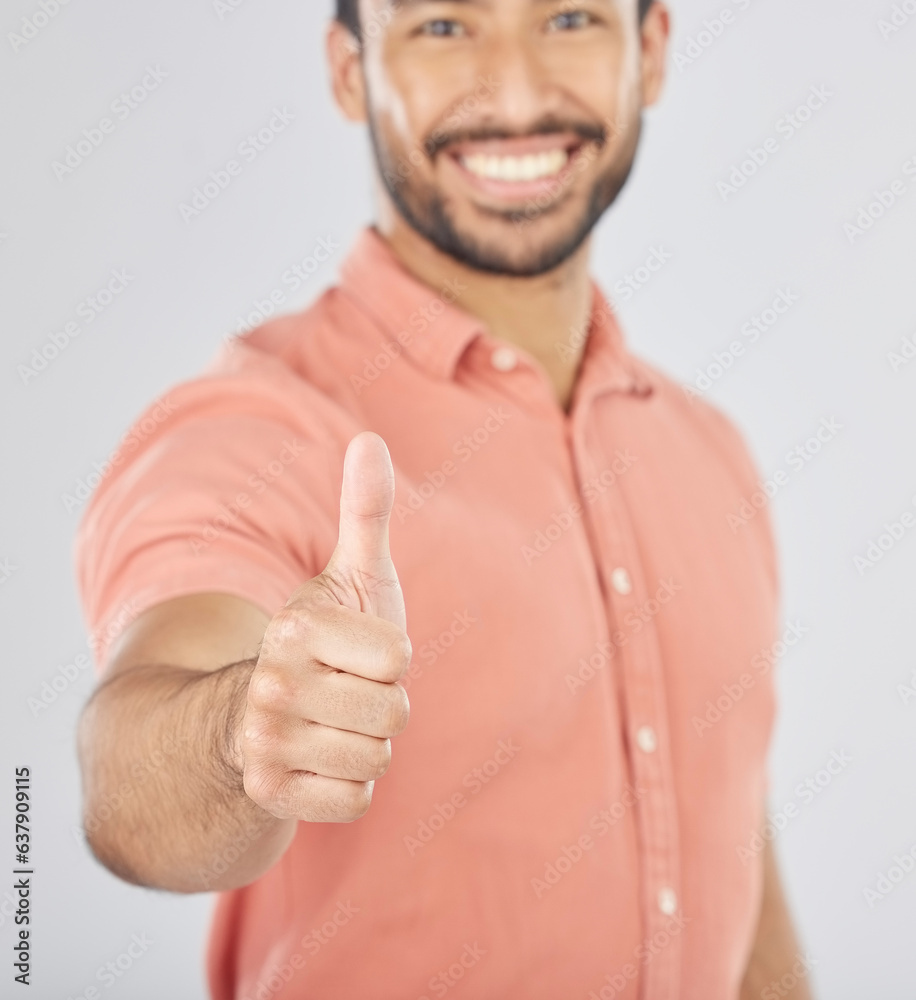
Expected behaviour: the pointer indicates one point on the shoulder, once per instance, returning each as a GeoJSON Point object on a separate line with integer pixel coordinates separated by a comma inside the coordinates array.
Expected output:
{"type": "Point", "coordinates": [254, 378]}
{"type": "Point", "coordinates": [208, 436]}
{"type": "Point", "coordinates": [694, 412]}
{"type": "Point", "coordinates": [714, 434]}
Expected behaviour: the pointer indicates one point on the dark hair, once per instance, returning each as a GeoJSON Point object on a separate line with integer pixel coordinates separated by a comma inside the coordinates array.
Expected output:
{"type": "Point", "coordinates": [348, 14]}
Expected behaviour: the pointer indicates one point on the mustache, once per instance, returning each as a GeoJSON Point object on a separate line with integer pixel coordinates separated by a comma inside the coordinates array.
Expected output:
{"type": "Point", "coordinates": [587, 132]}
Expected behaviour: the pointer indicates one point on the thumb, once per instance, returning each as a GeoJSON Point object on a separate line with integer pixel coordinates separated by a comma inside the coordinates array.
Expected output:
{"type": "Point", "coordinates": [361, 562]}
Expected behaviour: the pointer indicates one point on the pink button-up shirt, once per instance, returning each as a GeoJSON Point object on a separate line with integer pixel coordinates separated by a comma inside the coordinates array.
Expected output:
{"type": "Point", "coordinates": [570, 809]}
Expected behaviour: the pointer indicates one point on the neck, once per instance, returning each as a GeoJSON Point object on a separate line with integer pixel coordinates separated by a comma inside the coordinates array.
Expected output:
{"type": "Point", "coordinates": [544, 315]}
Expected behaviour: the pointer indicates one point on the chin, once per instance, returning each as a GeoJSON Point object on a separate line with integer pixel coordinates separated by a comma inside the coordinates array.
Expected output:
{"type": "Point", "coordinates": [520, 247]}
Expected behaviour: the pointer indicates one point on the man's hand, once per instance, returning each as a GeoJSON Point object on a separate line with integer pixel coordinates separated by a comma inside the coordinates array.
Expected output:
{"type": "Point", "coordinates": [323, 700]}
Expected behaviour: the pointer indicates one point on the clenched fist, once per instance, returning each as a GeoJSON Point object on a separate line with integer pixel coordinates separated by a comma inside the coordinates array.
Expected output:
{"type": "Point", "coordinates": [323, 700]}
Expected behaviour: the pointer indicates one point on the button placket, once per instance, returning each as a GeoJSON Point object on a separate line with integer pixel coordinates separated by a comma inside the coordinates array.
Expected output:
{"type": "Point", "coordinates": [643, 704]}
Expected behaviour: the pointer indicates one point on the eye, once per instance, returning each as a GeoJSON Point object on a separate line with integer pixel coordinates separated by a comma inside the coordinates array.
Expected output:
{"type": "Point", "coordinates": [570, 20]}
{"type": "Point", "coordinates": [442, 27]}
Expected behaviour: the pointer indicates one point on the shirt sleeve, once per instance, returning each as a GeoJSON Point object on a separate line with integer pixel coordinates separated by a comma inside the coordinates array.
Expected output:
{"type": "Point", "coordinates": [222, 486]}
{"type": "Point", "coordinates": [748, 473]}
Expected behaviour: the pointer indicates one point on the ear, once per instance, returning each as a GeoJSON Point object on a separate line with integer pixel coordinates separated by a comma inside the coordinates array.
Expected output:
{"type": "Point", "coordinates": [345, 65]}
{"type": "Point", "coordinates": [654, 34]}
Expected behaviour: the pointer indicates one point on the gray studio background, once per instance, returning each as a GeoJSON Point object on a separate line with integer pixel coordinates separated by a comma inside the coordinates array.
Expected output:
{"type": "Point", "coordinates": [848, 687]}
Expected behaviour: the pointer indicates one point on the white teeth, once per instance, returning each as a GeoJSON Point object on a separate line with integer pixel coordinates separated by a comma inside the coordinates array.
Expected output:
{"type": "Point", "coordinates": [531, 167]}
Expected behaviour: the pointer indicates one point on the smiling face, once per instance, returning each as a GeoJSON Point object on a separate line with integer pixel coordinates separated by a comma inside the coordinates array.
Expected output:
{"type": "Point", "coordinates": [502, 129]}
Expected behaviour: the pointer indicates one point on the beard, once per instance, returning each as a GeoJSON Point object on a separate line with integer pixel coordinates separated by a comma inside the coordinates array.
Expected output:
{"type": "Point", "coordinates": [426, 211]}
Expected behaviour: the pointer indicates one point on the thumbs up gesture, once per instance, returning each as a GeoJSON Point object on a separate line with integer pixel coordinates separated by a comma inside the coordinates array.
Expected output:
{"type": "Point", "coordinates": [323, 700]}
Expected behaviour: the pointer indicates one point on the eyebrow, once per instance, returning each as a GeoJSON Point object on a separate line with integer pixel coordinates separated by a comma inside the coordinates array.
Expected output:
{"type": "Point", "coordinates": [407, 4]}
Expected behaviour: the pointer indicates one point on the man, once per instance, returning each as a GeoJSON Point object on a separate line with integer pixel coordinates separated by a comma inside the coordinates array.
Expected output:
{"type": "Point", "coordinates": [453, 445]}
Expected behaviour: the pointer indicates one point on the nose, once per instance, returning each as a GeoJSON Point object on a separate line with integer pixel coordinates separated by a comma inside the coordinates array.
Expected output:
{"type": "Point", "coordinates": [525, 92]}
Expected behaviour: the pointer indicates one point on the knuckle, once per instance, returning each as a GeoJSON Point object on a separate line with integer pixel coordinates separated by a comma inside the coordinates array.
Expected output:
{"type": "Point", "coordinates": [271, 689]}
{"type": "Point", "coordinates": [295, 797]}
{"type": "Point", "coordinates": [356, 802]}
{"type": "Point", "coordinates": [291, 625]}
{"type": "Point", "coordinates": [261, 787]}
{"type": "Point", "coordinates": [285, 794]}
{"type": "Point", "coordinates": [395, 711]}
{"type": "Point", "coordinates": [258, 736]}
{"type": "Point", "coordinates": [327, 758]}
{"type": "Point", "coordinates": [381, 759]}
{"type": "Point", "coordinates": [354, 763]}
{"type": "Point", "coordinates": [397, 655]}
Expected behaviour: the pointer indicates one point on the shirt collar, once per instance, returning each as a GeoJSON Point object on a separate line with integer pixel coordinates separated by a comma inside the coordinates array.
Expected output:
{"type": "Point", "coordinates": [607, 362]}
{"type": "Point", "coordinates": [435, 332]}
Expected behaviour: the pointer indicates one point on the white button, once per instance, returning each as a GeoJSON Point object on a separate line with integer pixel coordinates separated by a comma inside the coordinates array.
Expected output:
{"type": "Point", "coordinates": [620, 581]}
{"type": "Point", "coordinates": [645, 738]}
{"type": "Point", "coordinates": [504, 359]}
{"type": "Point", "coordinates": [667, 900]}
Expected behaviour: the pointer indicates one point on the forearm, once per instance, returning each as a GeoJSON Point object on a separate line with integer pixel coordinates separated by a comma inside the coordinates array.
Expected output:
{"type": "Point", "coordinates": [164, 802]}
{"type": "Point", "coordinates": [778, 968]}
